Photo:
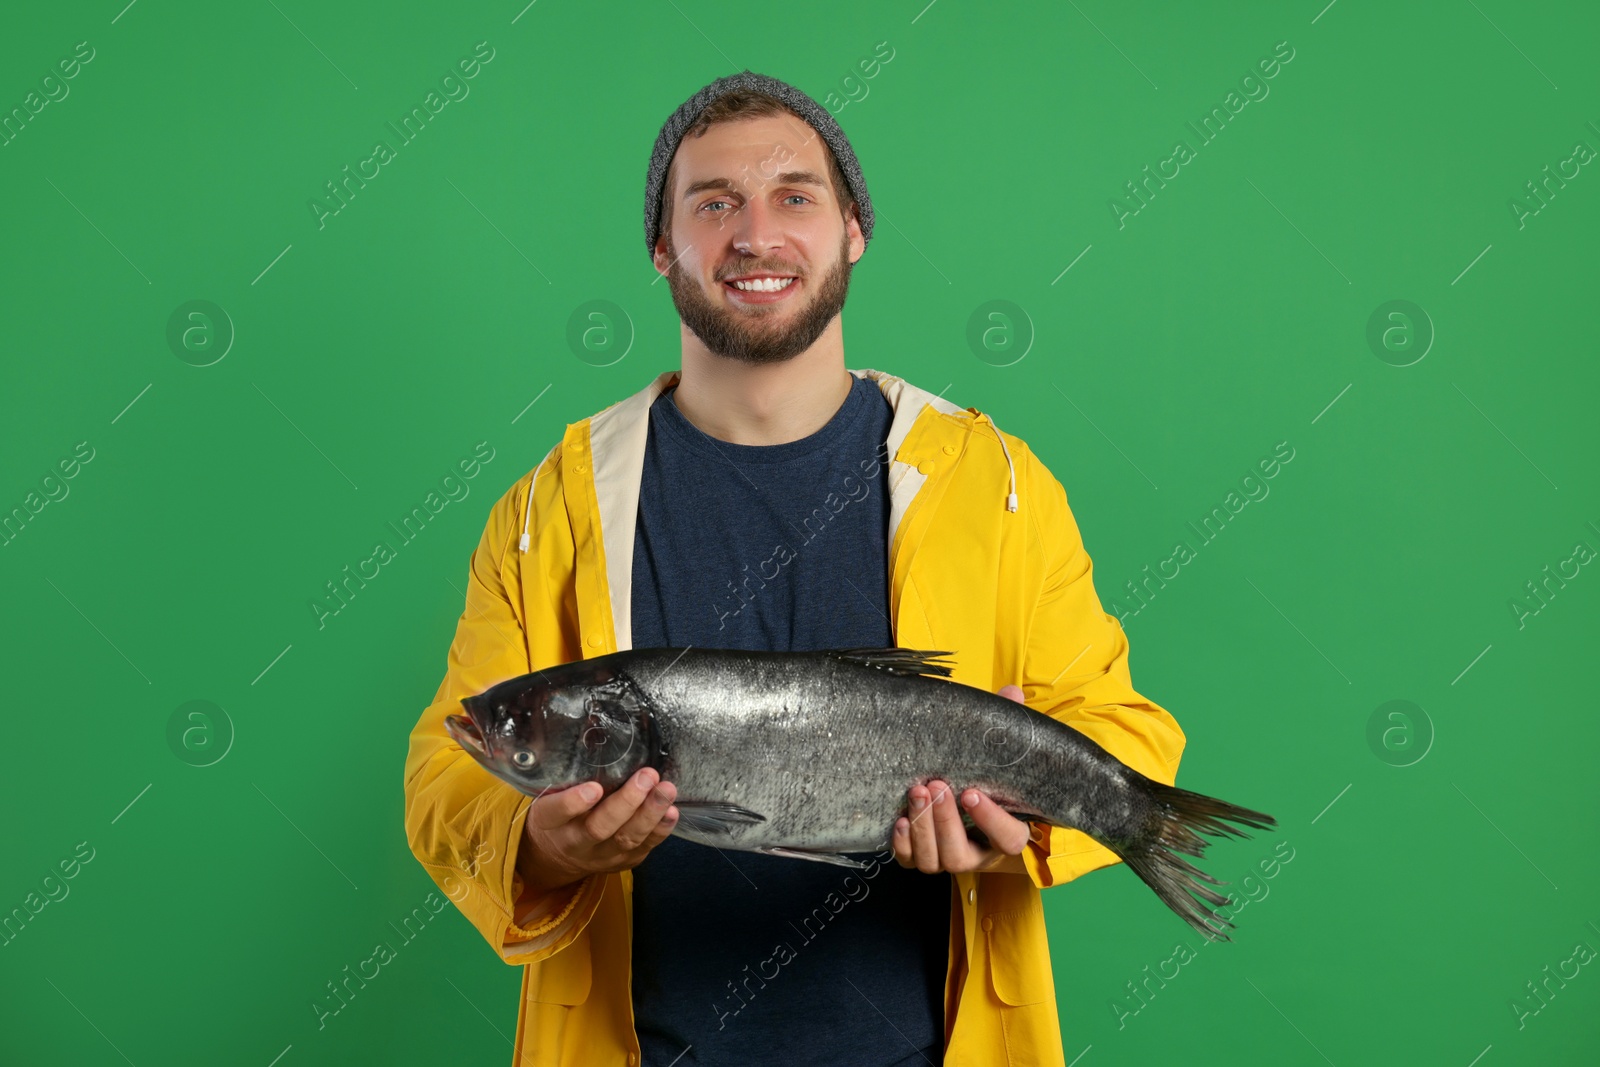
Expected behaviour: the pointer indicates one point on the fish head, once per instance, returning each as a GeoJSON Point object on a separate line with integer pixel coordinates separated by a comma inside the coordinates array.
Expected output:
{"type": "Point", "coordinates": [556, 728]}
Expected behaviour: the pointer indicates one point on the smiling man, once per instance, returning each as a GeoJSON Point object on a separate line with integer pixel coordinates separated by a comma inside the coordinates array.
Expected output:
{"type": "Point", "coordinates": [764, 497]}
{"type": "Point", "coordinates": [760, 313]}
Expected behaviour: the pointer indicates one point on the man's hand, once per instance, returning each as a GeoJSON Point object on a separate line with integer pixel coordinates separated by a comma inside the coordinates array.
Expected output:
{"type": "Point", "coordinates": [568, 835]}
{"type": "Point", "coordinates": [934, 839]}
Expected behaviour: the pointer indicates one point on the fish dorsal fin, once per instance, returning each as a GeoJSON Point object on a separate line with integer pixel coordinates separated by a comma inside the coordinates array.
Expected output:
{"type": "Point", "coordinates": [901, 661]}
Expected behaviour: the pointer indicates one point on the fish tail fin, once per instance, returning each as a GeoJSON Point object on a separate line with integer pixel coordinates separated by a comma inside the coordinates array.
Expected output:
{"type": "Point", "coordinates": [1177, 819]}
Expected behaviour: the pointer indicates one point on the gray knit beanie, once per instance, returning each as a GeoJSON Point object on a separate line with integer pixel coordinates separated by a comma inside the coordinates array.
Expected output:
{"type": "Point", "coordinates": [683, 118]}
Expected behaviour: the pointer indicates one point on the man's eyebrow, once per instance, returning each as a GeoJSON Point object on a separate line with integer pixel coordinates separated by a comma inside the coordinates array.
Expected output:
{"type": "Point", "coordinates": [788, 177]}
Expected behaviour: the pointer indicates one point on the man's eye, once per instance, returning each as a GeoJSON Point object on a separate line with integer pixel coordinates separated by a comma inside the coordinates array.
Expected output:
{"type": "Point", "coordinates": [713, 204]}
{"type": "Point", "coordinates": [797, 196]}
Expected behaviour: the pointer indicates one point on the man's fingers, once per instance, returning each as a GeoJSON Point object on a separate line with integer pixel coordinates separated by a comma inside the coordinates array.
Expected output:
{"type": "Point", "coordinates": [562, 806]}
{"type": "Point", "coordinates": [1005, 832]}
{"type": "Point", "coordinates": [924, 843]}
{"type": "Point", "coordinates": [647, 819]}
{"type": "Point", "coordinates": [949, 832]}
{"type": "Point", "coordinates": [659, 833]}
{"type": "Point", "coordinates": [614, 812]}
{"type": "Point", "coordinates": [1013, 692]}
{"type": "Point", "coordinates": [663, 828]}
{"type": "Point", "coordinates": [900, 841]}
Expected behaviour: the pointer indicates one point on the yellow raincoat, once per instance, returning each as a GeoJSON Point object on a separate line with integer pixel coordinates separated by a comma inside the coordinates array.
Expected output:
{"type": "Point", "coordinates": [1009, 592]}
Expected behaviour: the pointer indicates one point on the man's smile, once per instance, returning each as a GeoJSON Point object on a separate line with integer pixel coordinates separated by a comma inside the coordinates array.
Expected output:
{"type": "Point", "coordinates": [761, 288]}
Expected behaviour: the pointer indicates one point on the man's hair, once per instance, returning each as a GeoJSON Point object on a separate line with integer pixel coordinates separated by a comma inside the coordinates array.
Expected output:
{"type": "Point", "coordinates": [748, 104]}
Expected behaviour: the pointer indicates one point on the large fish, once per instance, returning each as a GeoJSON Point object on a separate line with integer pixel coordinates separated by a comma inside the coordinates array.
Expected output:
{"type": "Point", "coordinates": [810, 755]}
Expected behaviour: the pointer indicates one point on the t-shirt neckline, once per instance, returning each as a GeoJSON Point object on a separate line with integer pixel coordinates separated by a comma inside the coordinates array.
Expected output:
{"type": "Point", "coordinates": [839, 426]}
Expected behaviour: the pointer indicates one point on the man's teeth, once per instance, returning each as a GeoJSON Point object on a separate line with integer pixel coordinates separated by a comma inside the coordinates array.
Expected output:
{"type": "Point", "coordinates": [763, 285]}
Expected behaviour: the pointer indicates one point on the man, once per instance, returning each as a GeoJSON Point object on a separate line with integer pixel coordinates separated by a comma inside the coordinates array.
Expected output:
{"type": "Point", "coordinates": [764, 497]}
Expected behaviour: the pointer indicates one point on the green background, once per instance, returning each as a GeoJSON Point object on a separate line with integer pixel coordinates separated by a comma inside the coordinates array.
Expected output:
{"type": "Point", "coordinates": [371, 354]}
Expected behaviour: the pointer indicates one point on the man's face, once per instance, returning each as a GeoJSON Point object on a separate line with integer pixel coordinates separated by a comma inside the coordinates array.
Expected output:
{"type": "Point", "coordinates": [753, 201]}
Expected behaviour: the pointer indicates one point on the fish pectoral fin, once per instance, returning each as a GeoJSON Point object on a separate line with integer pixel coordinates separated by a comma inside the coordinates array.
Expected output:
{"type": "Point", "coordinates": [713, 817]}
{"type": "Point", "coordinates": [900, 661]}
{"type": "Point", "coordinates": [820, 857]}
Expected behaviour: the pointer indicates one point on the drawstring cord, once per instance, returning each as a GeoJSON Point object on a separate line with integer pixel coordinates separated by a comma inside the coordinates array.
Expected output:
{"type": "Point", "coordinates": [1011, 497]}
{"type": "Point", "coordinates": [522, 544]}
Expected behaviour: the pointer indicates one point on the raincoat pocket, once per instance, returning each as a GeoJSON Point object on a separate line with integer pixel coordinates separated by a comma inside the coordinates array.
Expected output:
{"type": "Point", "coordinates": [563, 978]}
{"type": "Point", "coordinates": [1019, 962]}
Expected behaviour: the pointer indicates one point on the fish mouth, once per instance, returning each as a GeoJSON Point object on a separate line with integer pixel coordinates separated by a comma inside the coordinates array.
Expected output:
{"type": "Point", "coordinates": [465, 733]}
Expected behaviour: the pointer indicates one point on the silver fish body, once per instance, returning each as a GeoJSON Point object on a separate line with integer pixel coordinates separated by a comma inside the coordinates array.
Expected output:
{"type": "Point", "coordinates": [811, 754]}
{"type": "Point", "coordinates": [824, 749]}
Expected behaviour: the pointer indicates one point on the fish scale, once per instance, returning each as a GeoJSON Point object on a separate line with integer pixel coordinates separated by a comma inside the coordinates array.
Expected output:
{"type": "Point", "coordinates": [833, 739]}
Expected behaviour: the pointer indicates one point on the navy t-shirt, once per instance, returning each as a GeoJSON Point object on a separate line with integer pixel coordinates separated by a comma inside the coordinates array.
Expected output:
{"type": "Point", "coordinates": [740, 958]}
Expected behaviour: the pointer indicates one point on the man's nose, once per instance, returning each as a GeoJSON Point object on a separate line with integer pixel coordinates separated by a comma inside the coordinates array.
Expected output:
{"type": "Point", "coordinates": [757, 229]}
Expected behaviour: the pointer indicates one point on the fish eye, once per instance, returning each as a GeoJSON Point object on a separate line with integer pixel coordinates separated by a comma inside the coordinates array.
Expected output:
{"type": "Point", "coordinates": [502, 709]}
{"type": "Point", "coordinates": [523, 759]}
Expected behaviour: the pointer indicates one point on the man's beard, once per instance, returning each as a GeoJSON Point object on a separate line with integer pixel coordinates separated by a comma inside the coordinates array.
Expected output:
{"type": "Point", "coordinates": [747, 335]}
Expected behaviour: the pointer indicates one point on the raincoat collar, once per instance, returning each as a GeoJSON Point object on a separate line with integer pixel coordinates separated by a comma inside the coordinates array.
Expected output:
{"type": "Point", "coordinates": [614, 441]}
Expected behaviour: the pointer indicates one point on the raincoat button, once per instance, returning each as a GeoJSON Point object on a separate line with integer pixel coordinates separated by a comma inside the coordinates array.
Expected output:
{"type": "Point", "coordinates": [972, 895]}
{"type": "Point", "coordinates": [988, 924]}
{"type": "Point", "coordinates": [579, 469]}
{"type": "Point", "coordinates": [949, 450]}
{"type": "Point", "coordinates": [632, 1059]}
{"type": "Point", "coordinates": [925, 467]}
{"type": "Point", "coordinates": [594, 641]}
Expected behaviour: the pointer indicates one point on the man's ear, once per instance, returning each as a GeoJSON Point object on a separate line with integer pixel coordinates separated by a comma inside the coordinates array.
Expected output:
{"type": "Point", "coordinates": [858, 243]}
{"type": "Point", "coordinates": [660, 257]}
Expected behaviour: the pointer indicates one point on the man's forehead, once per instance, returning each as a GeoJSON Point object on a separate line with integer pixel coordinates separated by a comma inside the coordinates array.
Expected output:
{"type": "Point", "coordinates": [780, 137]}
